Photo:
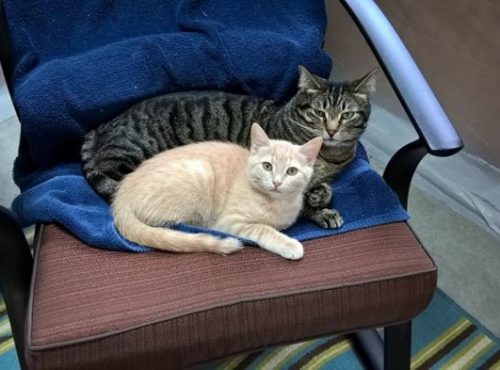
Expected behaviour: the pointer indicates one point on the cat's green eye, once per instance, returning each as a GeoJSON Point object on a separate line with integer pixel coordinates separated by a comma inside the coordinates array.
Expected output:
{"type": "Point", "coordinates": [348, 115]}
{"type": "Point", "coordinates": [267, 166]}
{"type": "Point", "coordinates": [291, 171]}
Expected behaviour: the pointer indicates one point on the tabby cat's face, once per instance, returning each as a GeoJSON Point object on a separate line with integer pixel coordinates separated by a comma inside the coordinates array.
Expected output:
{"type": "Point", "coordinates": [338, 112]}
{"type": "Point", "coordinates": [280, 168]}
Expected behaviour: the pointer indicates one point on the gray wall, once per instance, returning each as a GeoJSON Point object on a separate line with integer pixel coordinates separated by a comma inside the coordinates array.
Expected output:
{"type": "Point", "coordinates": [456, 43]}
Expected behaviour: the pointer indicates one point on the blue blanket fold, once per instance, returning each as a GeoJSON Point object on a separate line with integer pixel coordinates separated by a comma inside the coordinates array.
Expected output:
{"type": "Point", "coordinates": [80, 63]}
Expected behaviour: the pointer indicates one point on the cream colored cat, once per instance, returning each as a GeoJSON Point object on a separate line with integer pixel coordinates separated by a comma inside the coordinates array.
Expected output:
{"type": "Point", "coordinates": [248, 193]}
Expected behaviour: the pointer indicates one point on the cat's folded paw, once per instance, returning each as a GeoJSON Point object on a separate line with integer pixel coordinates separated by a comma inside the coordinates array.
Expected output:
{"type": "Point", "coordinates": [293, 250]}
{"type": "Point", "coordinates": [328, 218]}
{"type": "Point", "coordinates": [228, 246]}
{"type": "Point", "coordinates": [320, 196]}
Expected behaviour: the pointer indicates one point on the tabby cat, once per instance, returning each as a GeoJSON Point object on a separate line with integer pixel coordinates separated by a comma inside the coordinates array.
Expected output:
{"type": "Point", "coordinates": [337, 112]}
{"type": "Point", "coordinates": [248, 193]}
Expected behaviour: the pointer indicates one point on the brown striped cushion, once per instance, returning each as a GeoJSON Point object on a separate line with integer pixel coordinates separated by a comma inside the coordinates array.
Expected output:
{"type": "Point", "coordinates": [95, 309]}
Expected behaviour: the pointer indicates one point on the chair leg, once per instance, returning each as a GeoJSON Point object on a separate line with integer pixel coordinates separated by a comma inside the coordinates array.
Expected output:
{"type": "Point", "coordinates": [370, 348]}
{"type": "Point", "coordinates": [397, 346]}
{"type": "Point", "coordinates": [393, 353]}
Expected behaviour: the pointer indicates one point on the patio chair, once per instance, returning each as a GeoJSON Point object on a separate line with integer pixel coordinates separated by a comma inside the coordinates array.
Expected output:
{"type": "Point", "coordinates": [142, 316]}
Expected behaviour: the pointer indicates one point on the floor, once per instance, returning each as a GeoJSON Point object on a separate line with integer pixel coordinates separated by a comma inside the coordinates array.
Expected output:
{"type": "Point", "coordinates": [467, 254]}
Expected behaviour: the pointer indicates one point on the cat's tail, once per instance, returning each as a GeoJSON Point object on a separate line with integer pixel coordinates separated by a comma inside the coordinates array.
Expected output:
{"type": "Point", "coordinates": [170, 240]}
{"type": "Point", "coordinates": [98, 178]}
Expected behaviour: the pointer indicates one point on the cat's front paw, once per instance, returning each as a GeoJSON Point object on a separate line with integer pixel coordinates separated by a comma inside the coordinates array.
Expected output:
{"type": "Point", "coordinates": [292, 250]}
{"type": "Point", "coordinates": [328, 218]}
{"type": "Point", "coordinates": [320, 196]}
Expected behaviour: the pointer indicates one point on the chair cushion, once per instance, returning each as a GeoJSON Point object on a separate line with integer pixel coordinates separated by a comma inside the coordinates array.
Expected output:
{"type": "Point", "coordinates": [95, 309]}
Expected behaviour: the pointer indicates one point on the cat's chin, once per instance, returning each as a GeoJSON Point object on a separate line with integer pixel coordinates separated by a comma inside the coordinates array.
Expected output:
{"type": "Point", "coordinates": [330, 143]}
{"type": "Point", "coordinates": [276, 194]}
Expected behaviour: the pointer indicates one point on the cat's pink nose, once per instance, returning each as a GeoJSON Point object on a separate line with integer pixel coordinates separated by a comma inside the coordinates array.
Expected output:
{"type": "Point", "coordinates": [276, 184]}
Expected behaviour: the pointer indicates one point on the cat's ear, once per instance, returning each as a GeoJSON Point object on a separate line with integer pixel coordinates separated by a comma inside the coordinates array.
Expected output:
{"type": "Point", "coordinates": [311, 149]}
{"type": "Point", "coordinates": [310, 83]}
{"type": "Point", "coordinates": [367, 84]}
{"type": "Point", "coordinates": [258, 137]}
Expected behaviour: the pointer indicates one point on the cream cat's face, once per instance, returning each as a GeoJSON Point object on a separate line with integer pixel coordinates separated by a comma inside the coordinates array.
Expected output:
{"type": "Point", "coordinates": [280, 168]}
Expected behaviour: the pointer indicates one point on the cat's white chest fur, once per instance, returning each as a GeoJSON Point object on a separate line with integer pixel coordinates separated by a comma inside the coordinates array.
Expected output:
{"type": "Point", "coordinates": [282, 213]}
{"type": "Point", "coordinates": [277, 213]}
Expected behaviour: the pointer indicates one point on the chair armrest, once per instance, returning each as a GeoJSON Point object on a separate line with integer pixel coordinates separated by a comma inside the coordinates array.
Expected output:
{"type": "Point", "coordinates": [424, 110]}
{"type": "Point", "coordinates": [16, 265]}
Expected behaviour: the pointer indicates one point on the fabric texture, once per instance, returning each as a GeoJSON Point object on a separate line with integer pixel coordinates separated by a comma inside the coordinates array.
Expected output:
{"type": "Point", "coordinates": [360, 194]}
{"type": "Point", "coordinates": [166, 311]}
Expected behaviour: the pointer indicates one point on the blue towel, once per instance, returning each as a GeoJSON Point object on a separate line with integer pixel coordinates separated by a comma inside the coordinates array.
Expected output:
{"type": "Point", "coordinates": [361, 196]}
{"type": "Point", "coordinates": [79, 63]}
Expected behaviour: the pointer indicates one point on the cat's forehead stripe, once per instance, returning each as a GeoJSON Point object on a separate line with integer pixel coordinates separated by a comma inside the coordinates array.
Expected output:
{"type": "Point", "coordinates": [281, 149]}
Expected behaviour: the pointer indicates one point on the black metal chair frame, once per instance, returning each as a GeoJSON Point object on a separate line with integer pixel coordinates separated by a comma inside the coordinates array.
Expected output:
{"type": "Point", "coordinates": [437, 136]}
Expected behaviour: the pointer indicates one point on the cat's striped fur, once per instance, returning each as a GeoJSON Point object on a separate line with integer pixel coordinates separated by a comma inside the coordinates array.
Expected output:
{"type": "Point", "coordinates": [338, 112]}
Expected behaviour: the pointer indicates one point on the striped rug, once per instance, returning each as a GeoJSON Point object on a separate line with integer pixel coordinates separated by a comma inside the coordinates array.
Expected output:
{"type": "Point", "coordinates": [444, 337]}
